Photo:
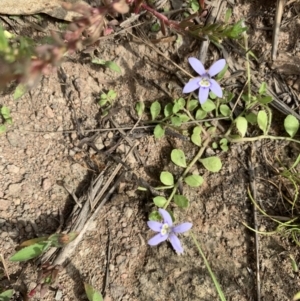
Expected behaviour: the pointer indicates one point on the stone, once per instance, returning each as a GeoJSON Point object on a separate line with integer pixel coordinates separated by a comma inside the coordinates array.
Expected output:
{"type": "Point", "coordinates": [15, 189]}
{"type": "Point", "coordinates": [49, 112]}
{"type": "Point", "coordinates": [14, 138]}
{"type": "Point", "coordinates": [30, 7]}
{"type": "Point", "coordinates": [13, 168]}
{"type": "Point", "coordinates": [128, 212]}
{"type": "Point", "coordinates": [46, 184]}
{"type": "Point", "coordinates": [4, 204]}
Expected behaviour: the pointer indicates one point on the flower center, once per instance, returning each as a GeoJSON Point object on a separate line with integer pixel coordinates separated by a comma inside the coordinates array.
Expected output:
{"type": "Point", "coordinates": [204, 82]}
{"type": "Point", "coordinates": [165, 229]}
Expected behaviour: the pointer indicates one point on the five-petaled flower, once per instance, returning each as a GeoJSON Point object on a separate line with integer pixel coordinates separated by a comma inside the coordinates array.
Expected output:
{"type": "Point", "coordinates": [205, 82]}
{"type": "Point", "coordinates": [167, 231]}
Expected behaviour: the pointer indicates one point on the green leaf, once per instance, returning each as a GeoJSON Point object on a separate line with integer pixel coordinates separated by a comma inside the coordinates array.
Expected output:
{"type": "Point", "coordinates": [181, 201]}
{"type": "Point", "coordinates": [159, 201]}
{"type": "Point", "coordinates": [194, 5]}
{"type": "Point", "coordinates": [159, 131]}
{"type": "Point", "coordinates": [192, 104]}
{"type": "Point", "coordinates": [294, 264]}
{"type": "Point", "coordinates": [112, 94]}
{"type": "Point", "coordinates": [168, 110]}
{"type": "Point", "coordinates": [20, 91]}
{"type": "Point", "coordinates": [98, 61]}
{"type": "Point", "coordinates": [183, 117]}
{"type": "Point", "coordinates": [200, 114]}
{"type": "Point", "coordinates": [2, 129]}
{"type": "Point", "coordinates": [225, 110]}
{"type": "Point", "coordinates": [228, 15]}
{"type": "Point", "coordinates": [222, 73]}
{"type": "Point", "coordinates": [178, 105]}
{"type": "Point", "coordinates": [8, 121]}
{"type": "Point", "coordinates": [296, 297]}
{"type": "Point", "coordinates": [178, 157]}
{"type": "Point", "coordinates": [212, 95]}
{"type": "Point", "coordinates": [175, 120]}
{"type": "Point", "coordinates": [291, 125]}
{"type": "Point", "coordinates": [262, 121]}
{"type": "Point", "coordinates": [196, 136]}
{"type": "Point", "coordinates": [212, 164]}
{"type": "Point", "coordinates": [241, 125]}
{"type": "Point", "coordinates": [265, 100]}
{"type": "Point", "coordinates": [214, 145]}
{"type": "Point", "coordinates": [224, 144]}
{"type": "Point", "coordinates": [166, 178]}
{"type": "Point", "coordinates": [6, 295]}
{"type": "Point", "coordinates": [251, 118]}
{"type": "Point", "coordinates": [60, 240]}
{"type": "Point", "coordinates": [91, 293]}
{"type": "Point", "coordinates": [30, 252]}
{"type": "Point", "coordinates": [154, 216]}
{"type": "Point", "coordinates": [113, 66]}
{"type": "Point", "coordinates": [5, 112]}
{"type": "Point", "coordinates": [194, 180]}
{"type": "Point", "coordinates": [208, 106]}
{"type": "Point", "coordinates": [103, 102]}
{"type": "Point", "coordinates": [155, 109]}
{"type": "Point", "coordinates": [263, 88]}
{"type": "Point", "coordinates": [155, 27]}
{"type": "Point", "coordinates": [140, 108]}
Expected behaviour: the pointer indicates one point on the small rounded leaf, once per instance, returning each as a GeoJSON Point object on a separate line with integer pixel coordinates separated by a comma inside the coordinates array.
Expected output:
{"type": "Point", "coordinates": [200, 114]}
{"type": "Point", "coordinates": [208, 106]}
{"type": "Point", "coordinates": [167, 178]}
{"type": "Point", "coordinates": [192, 104]}
{"type": "Point", "coordinates": [291, 125]}
{"type": "Point", "coordinates": [194, 180]}
{"type": "Point", "coordinates": [212, 164]}
{"type": "Point", "coordinates": [224, 144]}
{"type": "Point", "coordinates": [181, 201]}
{"type": "Point", "coordinates": [225, 110]}
{"type": "Point", "coordinates": [262, 120]}
{"type": "Point", "coordinates": [155, 109]}
{"type": "Point", "coordinates": [154, 216]}
{"type": "Point", "coordinates": [91, 293]}
{"type": "Point", "coordinates": [140, 108]}
{"type": "Point", "coordinates": [159, 131]}
{"type": "Point", "coordinates": [196, 138]}
{"type": "Point", "coordinates": [178, 157]}
{"type": "Point", "coordinates": [178, 105]}
{"type": "Point", "coordinates": [168, 110]}
{"type": "Point", "coordinates": [242, 125]}
{"type": "Point", "coordinates": [159, 201]}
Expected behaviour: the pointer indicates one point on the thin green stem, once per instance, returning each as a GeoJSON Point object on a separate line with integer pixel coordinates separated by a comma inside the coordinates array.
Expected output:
{"type": "Point", "coordinates": [212, 275]}
{"type": "Point", "coordinates": [248, 139]}
{"type": "Point", "coordinates": [247, 65]}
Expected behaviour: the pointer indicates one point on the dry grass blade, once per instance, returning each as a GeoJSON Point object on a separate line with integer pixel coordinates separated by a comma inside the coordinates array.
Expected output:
{"type": "Point", "coordinates": [85, 218]}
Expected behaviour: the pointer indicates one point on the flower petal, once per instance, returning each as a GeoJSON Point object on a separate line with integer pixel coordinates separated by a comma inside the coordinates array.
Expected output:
{"type": "Point", "coordinates": [166, 216]}
{"type": "Point", "coordinates": [203, 94]}
{"type": "Point", "coordinates": [192, 85]}
{"type": "Point", "coordinates": [175, 242]}
{"type": "Point", "coordinates": [155, 226]}
{"type": "Point", "coordinates": [182, 227]}
{"type": "Point", "coordinates": [216, 67]}
{"type": "Point", "coordinates": [215, 88]}
{"type": "Point", "coordinates": [157, 239]}
{"type": "Point", "coordinates": [197, 65]}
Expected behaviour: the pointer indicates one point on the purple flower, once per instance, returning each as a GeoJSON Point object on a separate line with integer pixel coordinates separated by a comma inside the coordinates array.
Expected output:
{"type": "Point", "coordinates": [205, 82]}
{"type": "Point", "coordinates": [167, 231]}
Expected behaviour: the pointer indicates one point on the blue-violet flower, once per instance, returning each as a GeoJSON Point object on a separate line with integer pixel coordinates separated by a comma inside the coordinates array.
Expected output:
{"type": "Point", "coordinates": [205, 82]}
{"type": "Point", "coordinates": [167, 231]}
